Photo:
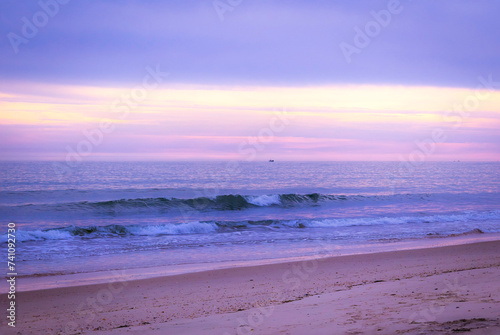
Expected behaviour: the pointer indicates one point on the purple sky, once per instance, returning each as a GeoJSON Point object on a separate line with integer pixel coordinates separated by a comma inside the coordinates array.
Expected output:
{"type": "Point", "coordinates": [231, 67]}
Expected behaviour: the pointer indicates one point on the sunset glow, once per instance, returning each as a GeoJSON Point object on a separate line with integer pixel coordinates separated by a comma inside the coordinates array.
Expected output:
{"type": "Point", "coordinates": [353, 122]}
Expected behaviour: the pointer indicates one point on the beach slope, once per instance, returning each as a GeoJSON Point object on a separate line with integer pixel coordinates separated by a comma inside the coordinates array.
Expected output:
{"type": "Point", "coordinates": [443, 290]}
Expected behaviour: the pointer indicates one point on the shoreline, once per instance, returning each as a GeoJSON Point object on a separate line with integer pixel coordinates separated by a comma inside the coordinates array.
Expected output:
{"type": "Point", "coordinates": [42, 282]}
{"type": "Point", "coordinates": [285, 296]}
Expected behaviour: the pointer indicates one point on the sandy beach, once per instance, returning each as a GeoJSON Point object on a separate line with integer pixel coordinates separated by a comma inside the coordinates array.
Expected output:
{"type": "Point", "coordinates": [442, 290]}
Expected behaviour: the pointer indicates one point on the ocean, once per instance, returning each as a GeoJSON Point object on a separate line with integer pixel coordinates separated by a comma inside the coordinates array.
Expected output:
{"type": "Point", "coordinates": [162, 217]}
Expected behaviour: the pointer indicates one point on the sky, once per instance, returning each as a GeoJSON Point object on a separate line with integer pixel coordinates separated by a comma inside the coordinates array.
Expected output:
{"type": "Point", "coordinates": [249, 80]}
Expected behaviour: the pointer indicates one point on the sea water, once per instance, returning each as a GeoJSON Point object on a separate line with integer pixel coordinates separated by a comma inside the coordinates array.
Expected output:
{"type": "Point", "coordinates": [99, 216]}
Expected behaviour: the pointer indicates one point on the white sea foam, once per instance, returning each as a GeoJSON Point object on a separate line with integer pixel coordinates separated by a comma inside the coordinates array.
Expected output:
{"type": "Point", "coordinates": [369, 221]}
{"type": "Point", "coordinates": [343, 222]}
{"type": "Point", "coordinates": [264, 200]}
{"type": "Point", "coordinates": [194, 227]}
{"type": "Point", "coordinates": [40, 235]}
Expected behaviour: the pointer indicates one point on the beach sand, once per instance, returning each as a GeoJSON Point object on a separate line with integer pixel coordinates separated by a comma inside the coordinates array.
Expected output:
{"type": "Point", "coordinates": [443, 290]}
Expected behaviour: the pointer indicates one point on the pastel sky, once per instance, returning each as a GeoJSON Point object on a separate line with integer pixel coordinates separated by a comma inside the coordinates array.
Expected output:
{"type": "Point", "coordinates": [249, 80]}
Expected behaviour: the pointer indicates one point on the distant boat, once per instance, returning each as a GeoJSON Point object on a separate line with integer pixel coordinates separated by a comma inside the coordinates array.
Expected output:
{"type": "Point", "coordinates": [271, 161]}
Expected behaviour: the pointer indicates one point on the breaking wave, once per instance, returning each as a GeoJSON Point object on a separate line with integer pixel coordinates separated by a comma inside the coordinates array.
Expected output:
{"type": "Point", "coordinates": [208, 227]}
{"type": "Point", "coordinates": [231, 202]}
{"type": "Point", "coordinates": [221, 202]}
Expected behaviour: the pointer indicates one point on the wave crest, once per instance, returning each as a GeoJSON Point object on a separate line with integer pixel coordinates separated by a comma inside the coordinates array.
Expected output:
{"type": "Point", "coordinates": [71, 232]}
{"type": "Point", "coordinates": [206, 227]}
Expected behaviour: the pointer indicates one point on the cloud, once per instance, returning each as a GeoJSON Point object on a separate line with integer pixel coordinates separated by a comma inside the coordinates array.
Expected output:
{"type": "Point", "coordinates": [186, 122]}
{"type": "Point", "coordinates": [445, 43]}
